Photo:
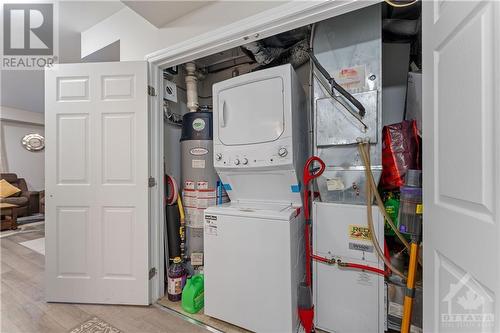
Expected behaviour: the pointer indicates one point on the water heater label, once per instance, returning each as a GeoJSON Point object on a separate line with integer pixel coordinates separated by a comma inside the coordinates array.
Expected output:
{"type": "Point", "coordinates": [198, 151]}
{"type": "Point", "coordinates": [198, 164]}
{"type": "Point", "coordinates": [359, 232]}
{"type": "Point", "coordinates": [198, 124]}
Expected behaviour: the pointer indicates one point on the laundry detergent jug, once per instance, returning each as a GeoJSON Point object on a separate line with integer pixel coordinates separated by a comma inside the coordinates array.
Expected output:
{"type": "Point", "coordinates": [193, 294]}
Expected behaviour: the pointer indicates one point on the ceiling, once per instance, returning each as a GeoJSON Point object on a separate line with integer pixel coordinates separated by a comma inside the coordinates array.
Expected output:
{"type": "Point", "coordinates": [81, 15]}
{"type": "Point", "coordinates": [160, 13]}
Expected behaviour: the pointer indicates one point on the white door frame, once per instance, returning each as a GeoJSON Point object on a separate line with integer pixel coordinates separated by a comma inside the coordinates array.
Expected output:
{"type": "Point", "coordinates": [290, 15]}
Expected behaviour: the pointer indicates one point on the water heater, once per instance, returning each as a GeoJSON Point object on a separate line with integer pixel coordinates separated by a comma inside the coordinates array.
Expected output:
{"type": "Point", "coordinates": [199, 179]}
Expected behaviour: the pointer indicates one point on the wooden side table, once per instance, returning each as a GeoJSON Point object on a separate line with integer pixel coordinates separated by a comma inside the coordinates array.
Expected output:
{"type": "Point", "coordinates": [8, 213]}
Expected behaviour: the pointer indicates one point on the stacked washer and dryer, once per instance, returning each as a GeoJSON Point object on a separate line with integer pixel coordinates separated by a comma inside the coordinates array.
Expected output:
{"type": "Point", "coordinates": [254, 248]}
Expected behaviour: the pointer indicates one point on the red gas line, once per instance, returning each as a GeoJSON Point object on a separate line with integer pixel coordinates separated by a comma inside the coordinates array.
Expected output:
{"type": "Point", "coordinates": [343, 264]}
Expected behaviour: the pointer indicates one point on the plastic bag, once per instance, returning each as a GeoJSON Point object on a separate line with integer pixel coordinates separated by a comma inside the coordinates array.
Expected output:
{"type": "Point", "coordinates": [400, 152]}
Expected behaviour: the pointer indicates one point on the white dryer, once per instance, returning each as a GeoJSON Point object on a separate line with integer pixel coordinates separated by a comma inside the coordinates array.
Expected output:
{"type": "Point", "coordinates": [254, 257]}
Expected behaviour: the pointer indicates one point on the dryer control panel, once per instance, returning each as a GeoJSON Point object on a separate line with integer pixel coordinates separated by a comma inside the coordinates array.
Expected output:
{"type": "Point", "coordinates": [250, 157]}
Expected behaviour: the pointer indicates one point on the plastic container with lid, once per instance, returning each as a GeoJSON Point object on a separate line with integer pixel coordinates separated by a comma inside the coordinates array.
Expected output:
{"type": "Point", "coordinates": [176, 278]}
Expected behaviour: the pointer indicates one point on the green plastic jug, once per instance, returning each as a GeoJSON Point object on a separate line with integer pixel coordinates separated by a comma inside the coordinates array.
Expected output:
{"type": "Point", "coordinates": [193, 294]}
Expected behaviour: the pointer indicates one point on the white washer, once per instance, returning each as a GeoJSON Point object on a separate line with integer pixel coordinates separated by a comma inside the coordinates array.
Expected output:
{"type": "Point", "coordinates": [254, 256]}
{"type": "Point", "coordinates": [253, 264]}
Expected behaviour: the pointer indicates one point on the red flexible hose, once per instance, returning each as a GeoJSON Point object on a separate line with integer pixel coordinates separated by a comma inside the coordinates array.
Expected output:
{"type": "Point", "coordinates": [322, 259]}
{"type": "Point", "coordinates": [363, 267]}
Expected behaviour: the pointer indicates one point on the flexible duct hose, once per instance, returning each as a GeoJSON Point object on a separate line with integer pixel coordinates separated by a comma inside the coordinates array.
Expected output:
{"type": "Point", "coordinates": [365, 156]}
{"type": "Point", "coordinates": [369, 198]}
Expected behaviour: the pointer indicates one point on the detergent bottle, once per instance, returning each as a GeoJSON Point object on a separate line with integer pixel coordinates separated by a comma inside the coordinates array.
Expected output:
{"type": "Point", "coordinates": [193, 294]}
{"type": "Point", "coordinates": [176, 279]}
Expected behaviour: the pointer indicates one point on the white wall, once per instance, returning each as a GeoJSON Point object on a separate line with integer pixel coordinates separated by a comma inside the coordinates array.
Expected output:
{"type": "Point", "coordinates": [138, 37]}
{"type": "Point", "coordinates": [14, 158]}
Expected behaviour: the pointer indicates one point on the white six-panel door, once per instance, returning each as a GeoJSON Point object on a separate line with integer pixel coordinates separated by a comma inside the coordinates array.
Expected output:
{"type": "Point", "coordinates": [97, 183]}
{"type": "Point", "coordinates": [461, 133]}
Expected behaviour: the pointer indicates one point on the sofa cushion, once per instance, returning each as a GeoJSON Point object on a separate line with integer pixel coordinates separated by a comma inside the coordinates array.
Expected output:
{"type": "Point", "coordinates": [7, 189]}
{"type": "Point", "coordinates": [19, 201]}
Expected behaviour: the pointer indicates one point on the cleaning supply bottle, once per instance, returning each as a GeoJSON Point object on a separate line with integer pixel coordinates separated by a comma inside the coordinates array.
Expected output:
{"type": "Point", "coordinates": [175, 280]}
{"type": "Point", "coordinates": [193, 294]}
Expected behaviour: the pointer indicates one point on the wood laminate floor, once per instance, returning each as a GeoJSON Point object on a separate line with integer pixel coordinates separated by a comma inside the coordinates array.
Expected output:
{"type": "Point", "coordinates": [23, 307]}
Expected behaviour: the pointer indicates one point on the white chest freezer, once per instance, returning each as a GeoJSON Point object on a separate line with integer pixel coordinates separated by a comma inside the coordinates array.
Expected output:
{"type": "Point", "coordinates": [254, 261]}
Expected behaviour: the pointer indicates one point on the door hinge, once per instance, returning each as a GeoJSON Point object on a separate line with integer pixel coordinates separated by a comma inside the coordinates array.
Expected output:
{"type": "Point", "coordinates": [152, 272]}
{"type": "Point", "coordinates": [151, 91]}
{"type": "Point", "coordinates": [152, 182]}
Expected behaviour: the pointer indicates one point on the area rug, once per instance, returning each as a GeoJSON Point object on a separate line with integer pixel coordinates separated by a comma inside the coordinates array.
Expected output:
{"type": "Point", "coordinates": [37, 245]}
{"type": "Point", "coordinates": [95, 325]}
{"type": "Point", "coordinates": [32, 227]}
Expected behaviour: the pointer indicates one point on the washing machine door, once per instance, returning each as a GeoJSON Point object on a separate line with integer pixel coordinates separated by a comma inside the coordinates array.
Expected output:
{"type": "Point", "coordinates": [251, 112]}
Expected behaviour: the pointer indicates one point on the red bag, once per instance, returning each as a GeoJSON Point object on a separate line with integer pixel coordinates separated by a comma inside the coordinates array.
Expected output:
{"type": "Point", "coordinates": [400, 152]}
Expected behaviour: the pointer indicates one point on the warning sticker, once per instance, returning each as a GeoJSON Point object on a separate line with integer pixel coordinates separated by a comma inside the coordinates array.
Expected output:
{"type": "Point", "coordinates": [359, 232]}
{"type": "Point", "coordinates": [335, 184]}
{"type": "Point", "coordinates": [352, 77]}
{"type": "Point", "coordinates": [211, 229]}
{"type": "Point", "coordinates": [365, 279]}
{"type": "Point", "coordinates": [196, 259]}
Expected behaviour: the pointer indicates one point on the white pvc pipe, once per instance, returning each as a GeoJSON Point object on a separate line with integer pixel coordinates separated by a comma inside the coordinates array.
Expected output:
{"type": "Point", "coordinates": [191, 87]}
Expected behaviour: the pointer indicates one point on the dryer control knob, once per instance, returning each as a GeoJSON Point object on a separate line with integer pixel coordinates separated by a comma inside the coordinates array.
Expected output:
{"type": "Point", "coordinates": [218, 156]}
{"type": "Point", "coordinates": [237, 162]}
{"type": "Point", "coordinates": [245, 161]}
{"type": "Point", "coordinates": [282, 152]}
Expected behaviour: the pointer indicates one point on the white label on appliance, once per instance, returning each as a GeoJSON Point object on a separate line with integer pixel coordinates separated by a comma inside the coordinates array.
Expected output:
{"type": "Point", "coordinates": [360, 247]}
{"type": "Point", "coordinates": [334, 184]}
{"type": "Point", "coordinates": [203, 185]}
{"type": "Point", "coordinates": [196, 259]}
{"type": "Point", "coordinates": [352, 78]}
{"type": "Point", "coordinates": [198, 124]}
{"type": "Point", "coordinates": [170, 91]}
{"type": "Point", "coordinates": [211, 229]}
{"type": "Point", "coordinates": [198, 151]}
{"type": "Point", "coordinates": [395, 309]}
{"type": "Point", "coordinates": [198, 164]}
{"type": "Point", "coordinates": [365, 279]}
{"type": "Point", "coordinates": [189, 185]}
